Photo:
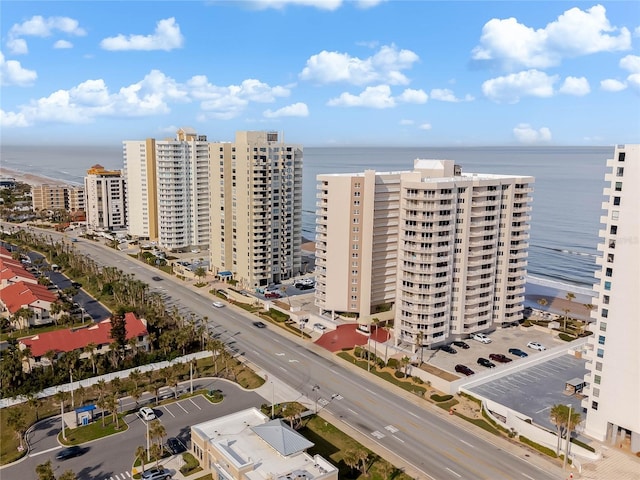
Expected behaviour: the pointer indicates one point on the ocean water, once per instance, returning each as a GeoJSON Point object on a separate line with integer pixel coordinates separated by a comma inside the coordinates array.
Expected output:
{"type": "Point", "coordinates": [567, 194]}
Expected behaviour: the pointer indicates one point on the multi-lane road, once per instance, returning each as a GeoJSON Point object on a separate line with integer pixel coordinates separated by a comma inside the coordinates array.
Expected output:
{"type": "Point", "coordinates": [426, 443]}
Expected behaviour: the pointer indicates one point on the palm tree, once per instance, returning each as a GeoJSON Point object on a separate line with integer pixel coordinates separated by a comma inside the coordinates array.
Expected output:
{"type": "Point", "coordinates": [589, 308]}
{"type": "Point", "coordinates": [157, 432]}
{"type": "Point", "coordinates": [558, 416]}
{"type": "Point", "coordinates": [112, 404]}
{"type": "Point", "coordinates": [405, 363]}
{"type": "Point", "coordinates": [141, 453]}
{"type": "Point", "coordinates": [90, 350]}
{"type": "Point", "coordinates": [34, 404]}
{"type": "Point", "coordinates": [570, 296]}
{"type": "Point", "coordinates": [543, 302]}
{"type": "Point", "coordinates": [573, 421]}
{"type": "Point", "coordinates": [45, 471]}
{"type": "Point", "coordinates": [292, 411]}
{"type": "Point", "coordinates": [17, 420]}
{"type": "Point", "coordinates": [68, 475]}
{"type": "Point", "coordinates": [351, 458]}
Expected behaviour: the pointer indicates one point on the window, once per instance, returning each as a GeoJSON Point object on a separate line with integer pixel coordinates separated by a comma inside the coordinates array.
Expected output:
{"type": "Point", "coordinates": [597, 379]}
{"type": "Point", "coordinates": [601, 339]}
{"type": "Point", "coordinates": [609, 272]}
{"type": "Point", "coordinates": [594, 405]}
{"type": "Point", "coordinates": [603, 326]}
{"type": "Point", "coordinates": [610, 258]}
{"type": "Point", "coordinates": [616, 201]}
{"type": "Point", "coordinates": [600, 353]}
{"type": "Point", "coordinates": [615, 215]}
{"type": "Point", "coordinates": [596, 392]}
{"type": "Point", "coordinates": [605, 299]}
{"type": "Point", "coordinates": [618, 186]}
{"type": "Point", "coordinates": [599, 366]}
{"type": "Point", "coordinates": [621, 156]}
{"type": "Point", "coordinates": [620, 172]}
{"type": "Point", "coordinates": [605, 313]}
{"type": "Point", "coordinates": [607, 285]}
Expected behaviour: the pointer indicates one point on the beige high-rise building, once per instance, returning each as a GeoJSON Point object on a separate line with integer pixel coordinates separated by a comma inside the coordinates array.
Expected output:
{"type": "Point", "coordinates": [168, 190]}
{"type": "Point", "coordinates": [612, 394]}
{"type": "Point", "coordinates": [447, 250]}
{"type": "Point", "coordinates": [256, 208]}
{"type": "Point", "coordinates": [105, 199]}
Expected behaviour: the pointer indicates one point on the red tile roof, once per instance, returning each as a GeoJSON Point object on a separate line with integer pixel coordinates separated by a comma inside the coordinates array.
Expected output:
{"type": "Point", "coordinates": [22, 294]}
{"type": "Point", "coordinates": [13, 269]}
{"type": "Point", "coordinates": [70, 339]}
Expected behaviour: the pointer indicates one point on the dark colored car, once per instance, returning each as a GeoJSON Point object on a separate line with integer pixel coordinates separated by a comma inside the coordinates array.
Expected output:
{"type": "Point", "coordinates": [76, 284]}
{"type": "Point", "coordinates": [461, 344]}
{"type": "Point", "coordinates": [156, 278]}
{"type": "Point", "coordinates": [463, 369]}
{"type": "Point", "coordinates": [175, 446]}
{"type": "Point", "coordinates": [272, 295]}
{"type": "Point", "coordinates": [259, 325]}
{"type": "Point", "coordinates": [498, 357]}
{"type": "Point", "coordinates": [485, 363]}
{"type": "Point", "coordinates": [518, 353]}
{"type": "Point", "coordinates": [70, 452]}
{"type": "Point", "coordinates": [448, 349]}
{"type": "Point", "coordinates": [303, 286]}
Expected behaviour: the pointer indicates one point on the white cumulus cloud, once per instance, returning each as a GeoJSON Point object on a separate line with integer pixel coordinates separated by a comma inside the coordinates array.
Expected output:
{"type": "Point", "coordinates": [329, 5]}
{"type": "Point", "coordinates": [38, 26]}
{"type": "Point", "coordinates": [425, 126]}
{"type": "Point", "coordinates": [294, 110]}
{"type": "Point", "coordinates": [612, 85]}
{"type": "Point", "coordinates": [575, 86]}
{"type": "Point", "coordinates": [447, 95]}
{"type": "Point", "coordinates": [60, 44]}
{"type": "Point", "coordinates": [510, 88]}
{"type": "Point", "coordinates": [413, 96]}
{"type": "Point", "coordinates": [525, 133]}
{"type": "Point", "coordinates": [167, 36]}
{"type": "Point", "coordinates": [405, 121]}
{"type": "Point", "coordinates": [372, 97]}
{"type": "Point", "coordinates": [510, 44]}
{"type": "Point", "coordinates": [12, 73]}
{"type": "Point", "coordinates": [384, 66]}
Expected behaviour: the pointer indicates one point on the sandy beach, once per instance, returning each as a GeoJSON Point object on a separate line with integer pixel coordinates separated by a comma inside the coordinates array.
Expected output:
{"type": "Point", "coordinates": [29, 178]}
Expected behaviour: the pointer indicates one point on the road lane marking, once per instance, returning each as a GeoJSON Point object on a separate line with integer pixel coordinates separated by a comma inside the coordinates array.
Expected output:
{"type": "Point", "coordinates": [197, 406]}
{"type": "Point", "coordinates": [45, 451]}
{"type": "Point", "coordinates": [352, 411]}
{"type": "Point", "coordinates": [377, 434]}
{"type": "Point", "coordinates": [531, 478]}
{"type": "Point", "coordinates": [391, 428]}
{"type": "Point", "coordinates": [283, 369]}
{"type": "Point", "coordinates": [280, 354]}
{"type": "Point", "coordinates": [455, 473]}
{"type": "Point", "coordinates": [467, 443]}
{"type": "Point", "coordinates": [414, 414]}
{"type": "Point", "coordinates": [398, 438]}
{"type": "Point", "coordinates": [185, 410]}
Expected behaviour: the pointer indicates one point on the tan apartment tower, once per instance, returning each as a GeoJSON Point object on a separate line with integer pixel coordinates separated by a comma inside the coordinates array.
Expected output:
{"type": "Point", "coordinates": [447, 250]}
{"type": "Point", "coordinates": [256, 208]}
{"type": "Point", "coordinates": [105, 199]}
{"type": "Point", "coordinates": [612, 393]}
{"type": "Point", "coordinates": [168, 190]}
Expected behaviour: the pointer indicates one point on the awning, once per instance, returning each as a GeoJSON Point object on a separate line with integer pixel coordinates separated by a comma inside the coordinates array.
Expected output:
{"type": "Point", "coordinates": [226, 273]}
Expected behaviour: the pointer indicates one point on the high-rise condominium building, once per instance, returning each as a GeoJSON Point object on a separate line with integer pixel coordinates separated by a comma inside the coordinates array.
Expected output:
{"type": "Point", "coordinates": [256, 208]}
{"type": "Point", "coordinates": [168, 190]}
{"type": "Point", "coordinates": [105, 199]}
{"type": "Point", "coordinates": [613, 356]}
{"type": "Point", "coordinates": [446, 249]}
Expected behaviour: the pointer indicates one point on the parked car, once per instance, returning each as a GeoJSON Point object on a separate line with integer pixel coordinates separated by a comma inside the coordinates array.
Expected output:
{"type": "Point", "coordinates": [272, 295]}
{"type": "Point", "coordinates": [480, 337]}
{"type": "Point", "coordinates": [303, 286]}
{"type": "Point", "coordinates": [461, 344]}
{"type": "Point", "coordinates": [499, 357]}
{"type": "Point", "coordinates": [156, 473]}
{"type": "Point", "coordinates": [156, 278]}
{"type": "Point", "coordinates": [536, 346]}
{"type": "Point", "coordinates": [175, 446]}
{"type": "Point", "coordinates": [518, 353]}
{"type": "Point", "coordinates": [218, 304]}
{"type": "Point", "coordinates": [319, 326]}
{"type": "Point", "coordinates": [448, 349]}
{"type": "Point", "coordinates": [69, 452]}
{"type": "Point", "coordinates": [485, 363]}
{"type": "Point", "coordinates": [463, 369]}
{"type": "Point", "coordinates": [147, 414]}
{"type": "Point", "coordinates": [260, 324]}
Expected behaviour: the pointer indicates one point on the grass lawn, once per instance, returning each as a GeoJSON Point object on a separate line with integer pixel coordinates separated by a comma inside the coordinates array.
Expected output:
{"type": "Point", "coordinates": [94, 430]}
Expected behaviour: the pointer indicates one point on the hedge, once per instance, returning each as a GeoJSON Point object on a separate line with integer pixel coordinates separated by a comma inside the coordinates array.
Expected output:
{"type": "Point", "coordinates": [538, 447]}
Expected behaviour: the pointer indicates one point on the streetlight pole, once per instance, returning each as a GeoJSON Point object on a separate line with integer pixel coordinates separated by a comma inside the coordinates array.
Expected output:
{"type": "Point", "coordinates": [64, 435]}
{"type": "Point", "coordinates": [566, 450]}
{"type": "Point", "coordinates": [148, 448]}
{"type": "Point", "coordinates": [273, 401]}
{"type": "Point", "coordinates": [315, 389]}
{"type": "Point", "coordinates": [71, 387]}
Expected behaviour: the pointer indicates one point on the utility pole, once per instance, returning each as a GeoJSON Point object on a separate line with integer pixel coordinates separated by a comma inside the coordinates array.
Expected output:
{"type": "Point", "coordinates": [273, 400]}
{"type": "Point", "coordinates": [64, 435]}
{"type": "Point", "coordinates": [148, 448]}
{"type": "Point", "coordinates": [71, 387]}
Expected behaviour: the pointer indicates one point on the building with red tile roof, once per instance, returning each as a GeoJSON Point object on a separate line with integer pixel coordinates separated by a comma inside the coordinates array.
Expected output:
{"type": "Point", "coordinates": [67, 340]}
{"type": "Point", "coordinates": [12, 271]}
{"type": "Point", "coordinates": [36, 298]}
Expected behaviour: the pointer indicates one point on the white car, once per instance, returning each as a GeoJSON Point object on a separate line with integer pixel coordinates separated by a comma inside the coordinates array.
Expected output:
{"type": "Point", "coordinates": [147, 414]}
{"type": "Point", "coordinates": [481, 337]}
{"type": "Point", "coordinates": [218, 304]}
{"type": "Point", "coordinates": [536, 346]}
{"type": "Point", "coordinates": [319, 326]}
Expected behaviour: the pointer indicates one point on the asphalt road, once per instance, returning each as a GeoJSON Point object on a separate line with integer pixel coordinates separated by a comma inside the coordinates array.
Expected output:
{"type": "Point", "coordinates": [429, 445]}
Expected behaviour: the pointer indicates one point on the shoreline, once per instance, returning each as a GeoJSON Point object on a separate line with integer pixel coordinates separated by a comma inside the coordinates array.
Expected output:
{"type": "Point", "coordinates": [30, 178]}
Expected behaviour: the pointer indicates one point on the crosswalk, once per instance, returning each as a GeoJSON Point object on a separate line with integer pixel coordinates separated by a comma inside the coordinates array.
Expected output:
{"type": "Point", "coordinates": [119, 476]}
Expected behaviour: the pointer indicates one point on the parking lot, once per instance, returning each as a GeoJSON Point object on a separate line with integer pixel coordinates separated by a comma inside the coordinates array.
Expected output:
{"type": "Point", "coordinates": [501, 341]}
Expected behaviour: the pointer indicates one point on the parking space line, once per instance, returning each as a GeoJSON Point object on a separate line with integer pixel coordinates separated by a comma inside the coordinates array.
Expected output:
{"type": "Point", "coordinates": [179, 404]}
{"type": "Point", "coordinates": [168, 411]}
{"type": "Point", "coordinates": [196, 405]}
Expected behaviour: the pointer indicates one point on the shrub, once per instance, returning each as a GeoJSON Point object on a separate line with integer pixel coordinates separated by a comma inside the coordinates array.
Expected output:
{"type": "Point", "coordinates": [398, 374]}
{"type": "Point", "coordinates": [441, 398]}
{"type": "Point", "coordinates": [583, 445]}
{"type": "Point", "coordinates": [538, 447]}
{"type": "Point", "coordinates": [393, 363]}
{"type": "Point", "coordinates": [566, 337]}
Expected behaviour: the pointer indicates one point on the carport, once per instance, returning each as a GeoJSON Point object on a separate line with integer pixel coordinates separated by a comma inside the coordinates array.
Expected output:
{"type": "Point", "coordinates": [573, 386]}
{"type": "Point", "coordinates": [226, 275]}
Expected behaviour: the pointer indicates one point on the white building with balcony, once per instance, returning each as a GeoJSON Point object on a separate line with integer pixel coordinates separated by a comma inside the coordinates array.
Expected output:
{"type": "Point", "coordinates": [613, 357]}
{"type": "Point", "coordinates": [447, 249]}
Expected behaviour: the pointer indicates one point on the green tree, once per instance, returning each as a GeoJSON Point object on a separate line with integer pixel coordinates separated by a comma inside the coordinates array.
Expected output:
{"type": "Point", "coordinates": [292, 411]}
{"type": "Point", "coordinates": [119, 332]}
{"type": "Point", "coordinates": [45, 471]}
{"type": "Point", "coordinates": [351, 458]}
{"type": "Point", "coordinates": [141, 453]}
{"type": "Point", "coordinates": [68, 475]}
{"type": "Point", "coordinates": [570, 296]}
{"type": "Point", "coordinates": [17, 420]}
{"type": "Point", "coordinates": [405, 361]}
{"type": "Point", "coordinates": [558, 416]}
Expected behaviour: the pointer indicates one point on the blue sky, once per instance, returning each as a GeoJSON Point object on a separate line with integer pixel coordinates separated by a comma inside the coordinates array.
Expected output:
{"type": "Point", "coordinates": [323, 72]}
